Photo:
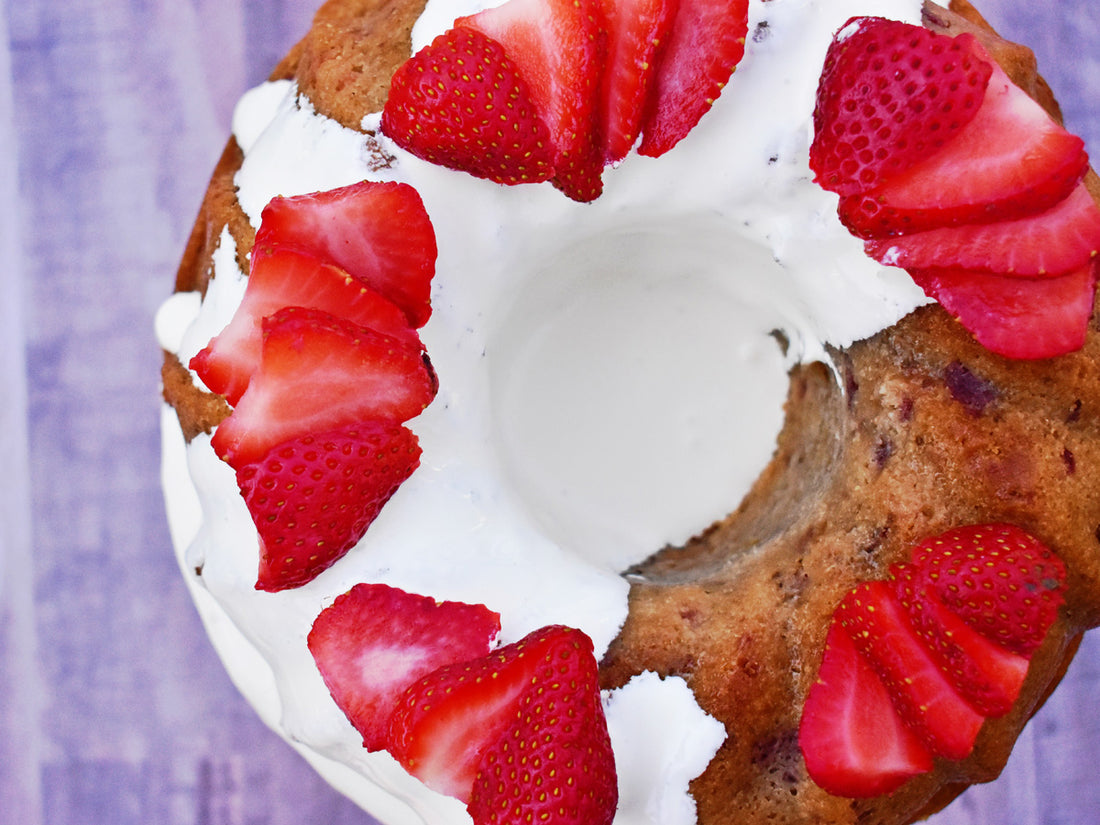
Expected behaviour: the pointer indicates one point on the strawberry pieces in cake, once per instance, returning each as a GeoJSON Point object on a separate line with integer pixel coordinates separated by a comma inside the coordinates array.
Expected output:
{"type": "Point", "coordinates": [374, 641]}
{"type": "Point", "coordinates": [704, 46]}
{"type": "Point", "coordinates": [946, 168]}
{"type": "Point", "coordinates": [323, 365]}
{"type": "Point", "coordinates": [914, 665]}
{"type": "Point", "coordinates": [312, 497]}
{"type": "Point", "coordinates": [518, 735]}
{"type": "Point", "coordinates": [461, 103]}
{"type": "Point", "coordinates": [379, 233]}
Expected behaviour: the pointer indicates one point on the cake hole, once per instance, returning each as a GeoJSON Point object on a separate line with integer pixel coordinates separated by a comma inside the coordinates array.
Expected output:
{"type": "Point", "coordinates": [636, 403]}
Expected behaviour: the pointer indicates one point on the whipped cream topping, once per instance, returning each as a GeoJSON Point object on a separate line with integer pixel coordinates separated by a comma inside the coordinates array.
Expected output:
{"type": "Point", "coordinates": [610, 382]}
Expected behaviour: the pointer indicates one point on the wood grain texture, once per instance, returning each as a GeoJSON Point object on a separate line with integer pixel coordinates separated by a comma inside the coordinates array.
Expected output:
{"type": "Point", "coordinates": [113, 706]}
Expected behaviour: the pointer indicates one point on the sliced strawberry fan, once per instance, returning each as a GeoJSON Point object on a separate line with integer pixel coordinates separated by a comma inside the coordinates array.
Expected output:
{"type": "Point", "coordinates": [950, 171]}
{"type": "Point", "coordinates": [323, 366]}
{"type": "Point", "coordinates": [561, 88]}
{"type": "Point", "coordinates": [853, 740]}
{"type": "Point", "coordinates": [417, 678]}
{"type": "Point", "coordinates": [1046, 244]}
{"type": "Point", "coordinates": [915, 664]}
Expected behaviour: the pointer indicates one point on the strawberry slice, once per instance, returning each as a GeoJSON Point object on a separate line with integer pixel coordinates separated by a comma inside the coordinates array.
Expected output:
{"type": "Point", "coordinates": [704, 46]}
{"type": "Point", "coordinates": [635, 31]}
{"type": "Point", "coordinates": [284, 276]}
{"type": "Point", "coordinates": [1022, 318]}
{"type": "Point", "coordinates": [949, 638]}
{"type": "Point", "coordinates": [923, 695]}
{"type": "Point", "coordinates": [853, 740]}
{"type": "Point", "coordinates": [312, 497]}
{"type": "Point", "coordinates": [319, 373]}
{"type": "Point", "coordinates": [1010, 161]}
{"type": "Point", "coordinates": [460, 102]}
{"type": "Point", "coordinates": [559, 730]}
{"type": "Point", "coordinates": [374, 641]}
{"type": "Point", "coordinates": [987, 675]}
{"type": "Point", "coordinates": [1002, 581]}
{"type": "Point", "coordinates": [1060, 240]}
{"type": "Point", "coordinates": [377, 232]}
{"type": "Point", "coordinates": [447, 720]}
{"type": "Point", "coordinates": [462, 729]}
{"type": "Point", "coordinates": [890, 94]}
{"type": "Point", "coordinates": [557, 48]}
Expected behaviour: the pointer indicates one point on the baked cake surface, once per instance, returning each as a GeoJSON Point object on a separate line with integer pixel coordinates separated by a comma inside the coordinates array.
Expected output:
{"type": "Point", "coordinates": [887, 439]}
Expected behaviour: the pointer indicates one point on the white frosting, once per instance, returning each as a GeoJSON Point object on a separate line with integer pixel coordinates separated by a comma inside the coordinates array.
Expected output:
{"type": "Point", "coordinates": [608, 384]}
{"type": "Point", "coordinates": [656, 759]}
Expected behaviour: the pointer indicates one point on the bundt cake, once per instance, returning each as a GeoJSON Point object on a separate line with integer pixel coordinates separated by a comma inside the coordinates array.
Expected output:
{"type": "Point", "coordinates": [561, 424]}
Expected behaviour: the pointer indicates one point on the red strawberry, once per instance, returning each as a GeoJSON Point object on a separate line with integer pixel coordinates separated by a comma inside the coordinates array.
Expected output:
{"type": "Point", "coordinates": [949, 638]}
{"type": "Point", "coordinates": [461, 103]}
{"type": "Point", "coordinates": [635, 31]}
{"type": "Point", "coordinates": [988, 676]}
{"type": "Point", "coordinates": [1025, 318]}
{"type": "Point", "coordinates": [282, 277]}
{"type": "Point", "coordinates": [558, 49]}
{"type": "Point", "coordinates": [319, 373]}
{"type": "Point", "coordinates": [1061, 240]}
{"type": "Point", "coordinates": [374, 641]}
{"type": "Point", "coordinates": [377, 232]}
{"type": "Point", "coordinates": [462, 728]}
{"type": "Point", "coordinates": [890, 94]}
{"type": "Point", "coordinates": [704, 45]}
{"type": "Point", "coordinates": [923, 695]}
{"type": "Point", "coordinates": [1011, 160]}
{"type": "Point", "coordinates": [1000, 580]}
{"type": "Point", "coordinates": [554, 734]}
{"type": "Point", "coordinates": [853, 740]}
{"type": "Point", "coordinates": [312, 497]}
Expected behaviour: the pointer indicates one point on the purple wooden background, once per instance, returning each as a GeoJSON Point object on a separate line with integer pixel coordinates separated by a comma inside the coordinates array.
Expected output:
{"type": "Point", "coordinates": [113, 708]}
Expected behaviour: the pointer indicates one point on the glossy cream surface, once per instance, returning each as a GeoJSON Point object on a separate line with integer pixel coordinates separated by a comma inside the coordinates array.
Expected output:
{"type": "Point", "coordinates": [610, 382]}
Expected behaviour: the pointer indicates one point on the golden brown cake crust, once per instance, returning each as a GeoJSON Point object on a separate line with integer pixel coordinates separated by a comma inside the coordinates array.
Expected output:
{"type": "Point", "coordinates": [925, 430]}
